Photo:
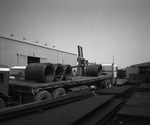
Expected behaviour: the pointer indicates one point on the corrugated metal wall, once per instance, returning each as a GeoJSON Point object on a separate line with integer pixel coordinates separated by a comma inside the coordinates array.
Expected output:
{"type": "Point", "coordinates": [15, 53]}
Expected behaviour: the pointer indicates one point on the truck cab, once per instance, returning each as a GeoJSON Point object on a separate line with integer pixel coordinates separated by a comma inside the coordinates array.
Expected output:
{"type": "Point", "coordinates": [110, 69]}
{"type": "Point", "coordinates": [4, 86]}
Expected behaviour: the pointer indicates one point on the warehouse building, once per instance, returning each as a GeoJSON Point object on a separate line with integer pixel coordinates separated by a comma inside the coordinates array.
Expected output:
{"type": "Point", "coordinates": [15, 52]}
{"type": "Point", "coordinates": [139, 71]}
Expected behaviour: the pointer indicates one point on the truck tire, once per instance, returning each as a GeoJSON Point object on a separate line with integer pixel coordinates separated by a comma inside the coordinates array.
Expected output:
{"type": "Point", "coordinates": [106, 84]}
{"type": "Point", "coordinates": [103, 84]}
{"type": "Point", "coordinates": [42, 95]}
{"type": "Point", "coordinates": [2, 104]}
{"type": "Point", "coordinates": [109, 85]}
{"type": "Point", "coordinates": [58, 92]}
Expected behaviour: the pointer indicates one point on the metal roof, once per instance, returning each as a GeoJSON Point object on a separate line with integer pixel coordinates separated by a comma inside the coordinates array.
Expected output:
{"type": "Point", "coordinates": [29, 43]}
{"type": "Point", "coordinates": [4, 68]}
{"type": "Point", "coordinates": [141, 64]}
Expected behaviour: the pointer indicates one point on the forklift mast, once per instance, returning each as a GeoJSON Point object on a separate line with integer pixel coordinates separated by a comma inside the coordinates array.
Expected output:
{"type": "Point", "coordinates": [82, 63]}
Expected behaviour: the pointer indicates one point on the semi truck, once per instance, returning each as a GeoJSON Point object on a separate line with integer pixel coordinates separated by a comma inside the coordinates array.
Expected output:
{"type": "Point", "coordinates": [110, 69]}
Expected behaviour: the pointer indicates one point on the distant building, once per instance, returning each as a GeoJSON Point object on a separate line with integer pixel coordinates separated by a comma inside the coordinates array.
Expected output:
{"type": "Point", "coordinates": [138, 71]}
{"type": "Point", "coordinates": [20, 53]}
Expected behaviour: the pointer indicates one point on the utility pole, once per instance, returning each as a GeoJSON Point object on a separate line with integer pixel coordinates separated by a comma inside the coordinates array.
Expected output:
{"type": "Point", "coordinates": [113, 67]}
{"type": "Point", "coordinates": [113, 59]}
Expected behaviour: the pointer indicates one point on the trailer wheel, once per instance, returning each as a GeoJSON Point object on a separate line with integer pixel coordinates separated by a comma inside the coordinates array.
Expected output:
{"type": "Point", "coordinates": [2, 104]}
{"type": "Point", "coordinates": [103, 84]}
{"type": "Point", "coordinates": [58, 92]}
{"type": "Point", "coordinates": [109, 85]}
{"type": "Point", "coordinates": [42, 95]}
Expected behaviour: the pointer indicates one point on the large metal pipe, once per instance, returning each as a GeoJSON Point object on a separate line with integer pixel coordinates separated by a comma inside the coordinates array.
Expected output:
{"type": "Point", "coordinates": [67, 75]}
{"type": "Point", "coordinates": [40, 72]}
{"type": "Point", "coordinates": [93, 70]}
{"type": "Point", "coordinates": [58, 72]}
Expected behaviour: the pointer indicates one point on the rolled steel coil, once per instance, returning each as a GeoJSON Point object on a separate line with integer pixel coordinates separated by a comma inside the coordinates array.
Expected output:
{"type": "Point", "coordinates": [58, 69]}
{"type": "Point", "coordinates": [40, 72]}
{"type": "Point", "coordinates": [67, 75]}
{"type": "Point", "coordinates": [93, 70]}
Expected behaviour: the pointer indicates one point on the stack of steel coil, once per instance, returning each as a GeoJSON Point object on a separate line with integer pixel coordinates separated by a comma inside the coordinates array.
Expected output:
{"type": "Point", "coordinates": [47, 72]}
{"type": "Point", "coordinates": [67, 72]}
{"type": "Point", "coordinates": [93, 70]}
{"type": "Point", "coordinates": [40, 72]}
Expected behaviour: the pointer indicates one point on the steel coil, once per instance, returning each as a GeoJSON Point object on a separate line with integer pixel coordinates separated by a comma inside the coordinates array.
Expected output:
{"type": "Point", "coordinates": [93, 70]}
{"type": "Point", "coordinates": [67, 75]}
{"type": "Point", "coordinates": [40, 72]}
{"type": "Point", "coordinates": [58, 69]}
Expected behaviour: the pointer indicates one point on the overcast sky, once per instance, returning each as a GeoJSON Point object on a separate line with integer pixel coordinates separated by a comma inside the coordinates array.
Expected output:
{"type": "Point", "coordinates": [104, 28]}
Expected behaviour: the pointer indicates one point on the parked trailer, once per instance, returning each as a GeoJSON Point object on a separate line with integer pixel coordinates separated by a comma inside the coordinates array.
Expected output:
{"type": "Point", "coordinates": [36, 86]}
{"type": "Point", "coordinates": [25, 92]}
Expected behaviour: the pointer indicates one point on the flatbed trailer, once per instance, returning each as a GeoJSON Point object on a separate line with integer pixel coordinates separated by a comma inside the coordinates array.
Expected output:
{"type": "Point", "coordinates": [22, 92]}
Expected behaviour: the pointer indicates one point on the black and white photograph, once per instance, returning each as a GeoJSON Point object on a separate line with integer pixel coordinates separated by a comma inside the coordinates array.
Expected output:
{"type": "Point", "coordinates": [74, 62]}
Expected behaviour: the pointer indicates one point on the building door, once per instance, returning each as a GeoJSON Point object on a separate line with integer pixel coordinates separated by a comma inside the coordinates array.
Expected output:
{"type": "Point", "coordinates": [33, 59]}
